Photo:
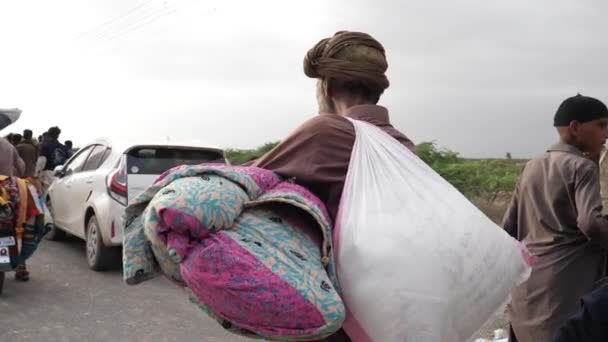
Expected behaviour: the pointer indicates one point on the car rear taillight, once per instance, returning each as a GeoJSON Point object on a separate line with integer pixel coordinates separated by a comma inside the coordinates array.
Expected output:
{"type": "Point", "coordinates": [117, 183]}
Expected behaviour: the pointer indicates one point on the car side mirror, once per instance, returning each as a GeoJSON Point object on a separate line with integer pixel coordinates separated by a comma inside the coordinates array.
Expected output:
{"type": "Point", "coordinates": [58, 172]}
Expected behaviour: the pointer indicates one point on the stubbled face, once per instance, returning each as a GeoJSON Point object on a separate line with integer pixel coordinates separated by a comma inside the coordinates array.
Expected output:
{"type": "Point", "coordinates": [590, 136]}
{"type": "Point", "coordinates": [325, 104]}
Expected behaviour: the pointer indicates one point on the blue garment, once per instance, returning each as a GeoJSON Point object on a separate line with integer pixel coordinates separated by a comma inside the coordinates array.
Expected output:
{"type": "Point", "coordinates": [55, 153]}
{"type": "Point", "coordinates": [590, 324]}
{"type": "Point", "coordinates": [31, 239]}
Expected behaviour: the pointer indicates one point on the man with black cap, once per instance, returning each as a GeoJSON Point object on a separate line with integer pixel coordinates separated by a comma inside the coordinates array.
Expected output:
{"type": "Point", "coordinates": [556, 211]}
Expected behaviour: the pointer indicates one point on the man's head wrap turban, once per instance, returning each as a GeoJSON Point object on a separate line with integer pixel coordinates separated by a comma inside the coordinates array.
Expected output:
{"type": "Point", "coordinates": [324, 60]}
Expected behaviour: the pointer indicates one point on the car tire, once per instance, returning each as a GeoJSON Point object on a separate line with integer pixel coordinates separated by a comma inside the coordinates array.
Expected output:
{"type": "Point", "coordinates": [54, 234]}
{"type": "Point", "coordinates": [2, 276]}
{"type": "Point", "coordinates": [99, 256]}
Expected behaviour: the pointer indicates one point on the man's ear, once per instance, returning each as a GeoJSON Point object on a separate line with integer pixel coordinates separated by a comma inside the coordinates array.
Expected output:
{"type": "Point", "coordinates": [574, 127]}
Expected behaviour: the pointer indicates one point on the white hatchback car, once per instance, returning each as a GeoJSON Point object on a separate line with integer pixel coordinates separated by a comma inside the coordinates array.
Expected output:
{"type": "Point", "coordinates": [92, 189]}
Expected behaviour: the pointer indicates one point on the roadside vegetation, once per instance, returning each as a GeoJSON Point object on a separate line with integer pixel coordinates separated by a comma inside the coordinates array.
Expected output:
{"type": "Point", "coordinates": [238, 156]}
{"type": "Point", "coordinates": [473, 177]}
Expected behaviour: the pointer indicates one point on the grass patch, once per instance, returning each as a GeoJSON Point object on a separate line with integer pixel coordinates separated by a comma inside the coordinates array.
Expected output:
{"type": "Point", "coordinates": [475, 178]}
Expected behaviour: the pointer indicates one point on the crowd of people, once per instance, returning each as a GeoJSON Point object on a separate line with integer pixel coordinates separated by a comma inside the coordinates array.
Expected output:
{"type": "Point", "coordinates": [34, 158]}
{"type": "Point", "coordinates": [22, 155]}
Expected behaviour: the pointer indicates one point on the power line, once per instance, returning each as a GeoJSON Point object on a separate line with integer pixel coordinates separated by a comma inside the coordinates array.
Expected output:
{"type": "Point", "coordinates": [139, 22]}
{"type": "Point", "coordinates": [119, 17]}
{"type": "Point", "coordinates": [137, 27]}
{"type": "Point", "coordinates": [148, 19]}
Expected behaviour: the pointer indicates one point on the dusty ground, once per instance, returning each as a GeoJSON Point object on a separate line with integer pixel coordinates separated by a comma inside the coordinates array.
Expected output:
{"type": "Point", "coordinates": [65, 301]}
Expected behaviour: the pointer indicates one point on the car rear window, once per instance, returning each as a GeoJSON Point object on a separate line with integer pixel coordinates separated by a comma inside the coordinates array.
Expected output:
{"type": "Point", "coordinates": [155, 160]}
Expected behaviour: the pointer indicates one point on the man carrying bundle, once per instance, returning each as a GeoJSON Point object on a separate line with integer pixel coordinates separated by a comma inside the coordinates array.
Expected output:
{"type": "Point", "coordinates": [350, 68]}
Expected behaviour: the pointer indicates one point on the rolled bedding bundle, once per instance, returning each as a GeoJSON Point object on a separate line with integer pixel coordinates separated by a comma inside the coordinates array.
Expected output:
{"type": "Point", "coordinates": [253, 251]}
{"type": "Point", "coordinates": [20, 217]}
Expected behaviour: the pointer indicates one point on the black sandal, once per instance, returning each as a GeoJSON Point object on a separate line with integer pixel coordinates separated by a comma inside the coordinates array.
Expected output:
{"type": "Point", "coordinates": [21, 273]}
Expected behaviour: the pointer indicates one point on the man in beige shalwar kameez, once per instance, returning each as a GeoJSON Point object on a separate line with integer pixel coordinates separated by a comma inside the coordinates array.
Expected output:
{"type": "Point", "coordinates": [557, 212]}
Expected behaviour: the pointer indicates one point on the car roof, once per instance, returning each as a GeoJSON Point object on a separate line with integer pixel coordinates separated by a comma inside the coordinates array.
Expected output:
{"type": "Point", "coordinates": [127, 144]}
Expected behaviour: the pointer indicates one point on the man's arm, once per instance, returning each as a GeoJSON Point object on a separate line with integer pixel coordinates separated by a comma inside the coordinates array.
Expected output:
{"type": "Point", "coordinates": [510, 220]}
{"type": "Point", "coordinates": [589, 205]}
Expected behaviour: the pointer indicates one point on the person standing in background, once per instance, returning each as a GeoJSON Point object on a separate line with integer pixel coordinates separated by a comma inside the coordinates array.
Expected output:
{"type": "Point", "coordinates": [29, 153]}
{"type": "Point", "coordinates": [556, 212]}
{"type": "Point", "coordinates": [56, 154]}
{"type": "Point", "coordinates": [10, 162]}
{"type": "Point", "coordinates": [70, 146]}
{"type": "Point", "coordinates": [16, 139]}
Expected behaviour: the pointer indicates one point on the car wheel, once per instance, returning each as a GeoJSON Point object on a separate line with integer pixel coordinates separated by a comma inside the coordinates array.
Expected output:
{"type": "Point", "coordinates": [54, 234]}
{"type": "Point", "coordinates": [99, 257]}
{"type": "Point", "coordinates": [2, 275]}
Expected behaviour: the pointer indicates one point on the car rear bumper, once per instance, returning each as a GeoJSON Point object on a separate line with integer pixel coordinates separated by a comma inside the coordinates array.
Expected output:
{"type": "Point", "coordinates": [109, 216]}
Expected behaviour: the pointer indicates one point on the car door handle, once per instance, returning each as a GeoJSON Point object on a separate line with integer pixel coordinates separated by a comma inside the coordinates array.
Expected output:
{"type": "Point", "coordinates": [90, 180]}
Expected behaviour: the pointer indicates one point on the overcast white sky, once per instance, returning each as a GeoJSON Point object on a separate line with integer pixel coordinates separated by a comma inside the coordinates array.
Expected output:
{"type": "Point", "coordinates": [481, 77]}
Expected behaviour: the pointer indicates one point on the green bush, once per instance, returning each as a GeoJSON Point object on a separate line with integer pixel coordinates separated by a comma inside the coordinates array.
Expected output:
{"type": "Point", "coordinates": [238, 157]}
{"type": "Point", "coordinates": [473, 177]}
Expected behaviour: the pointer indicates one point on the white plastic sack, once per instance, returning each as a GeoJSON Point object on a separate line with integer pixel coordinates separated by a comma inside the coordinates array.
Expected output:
{"type": "Point", "coordinates": [416, 260]}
